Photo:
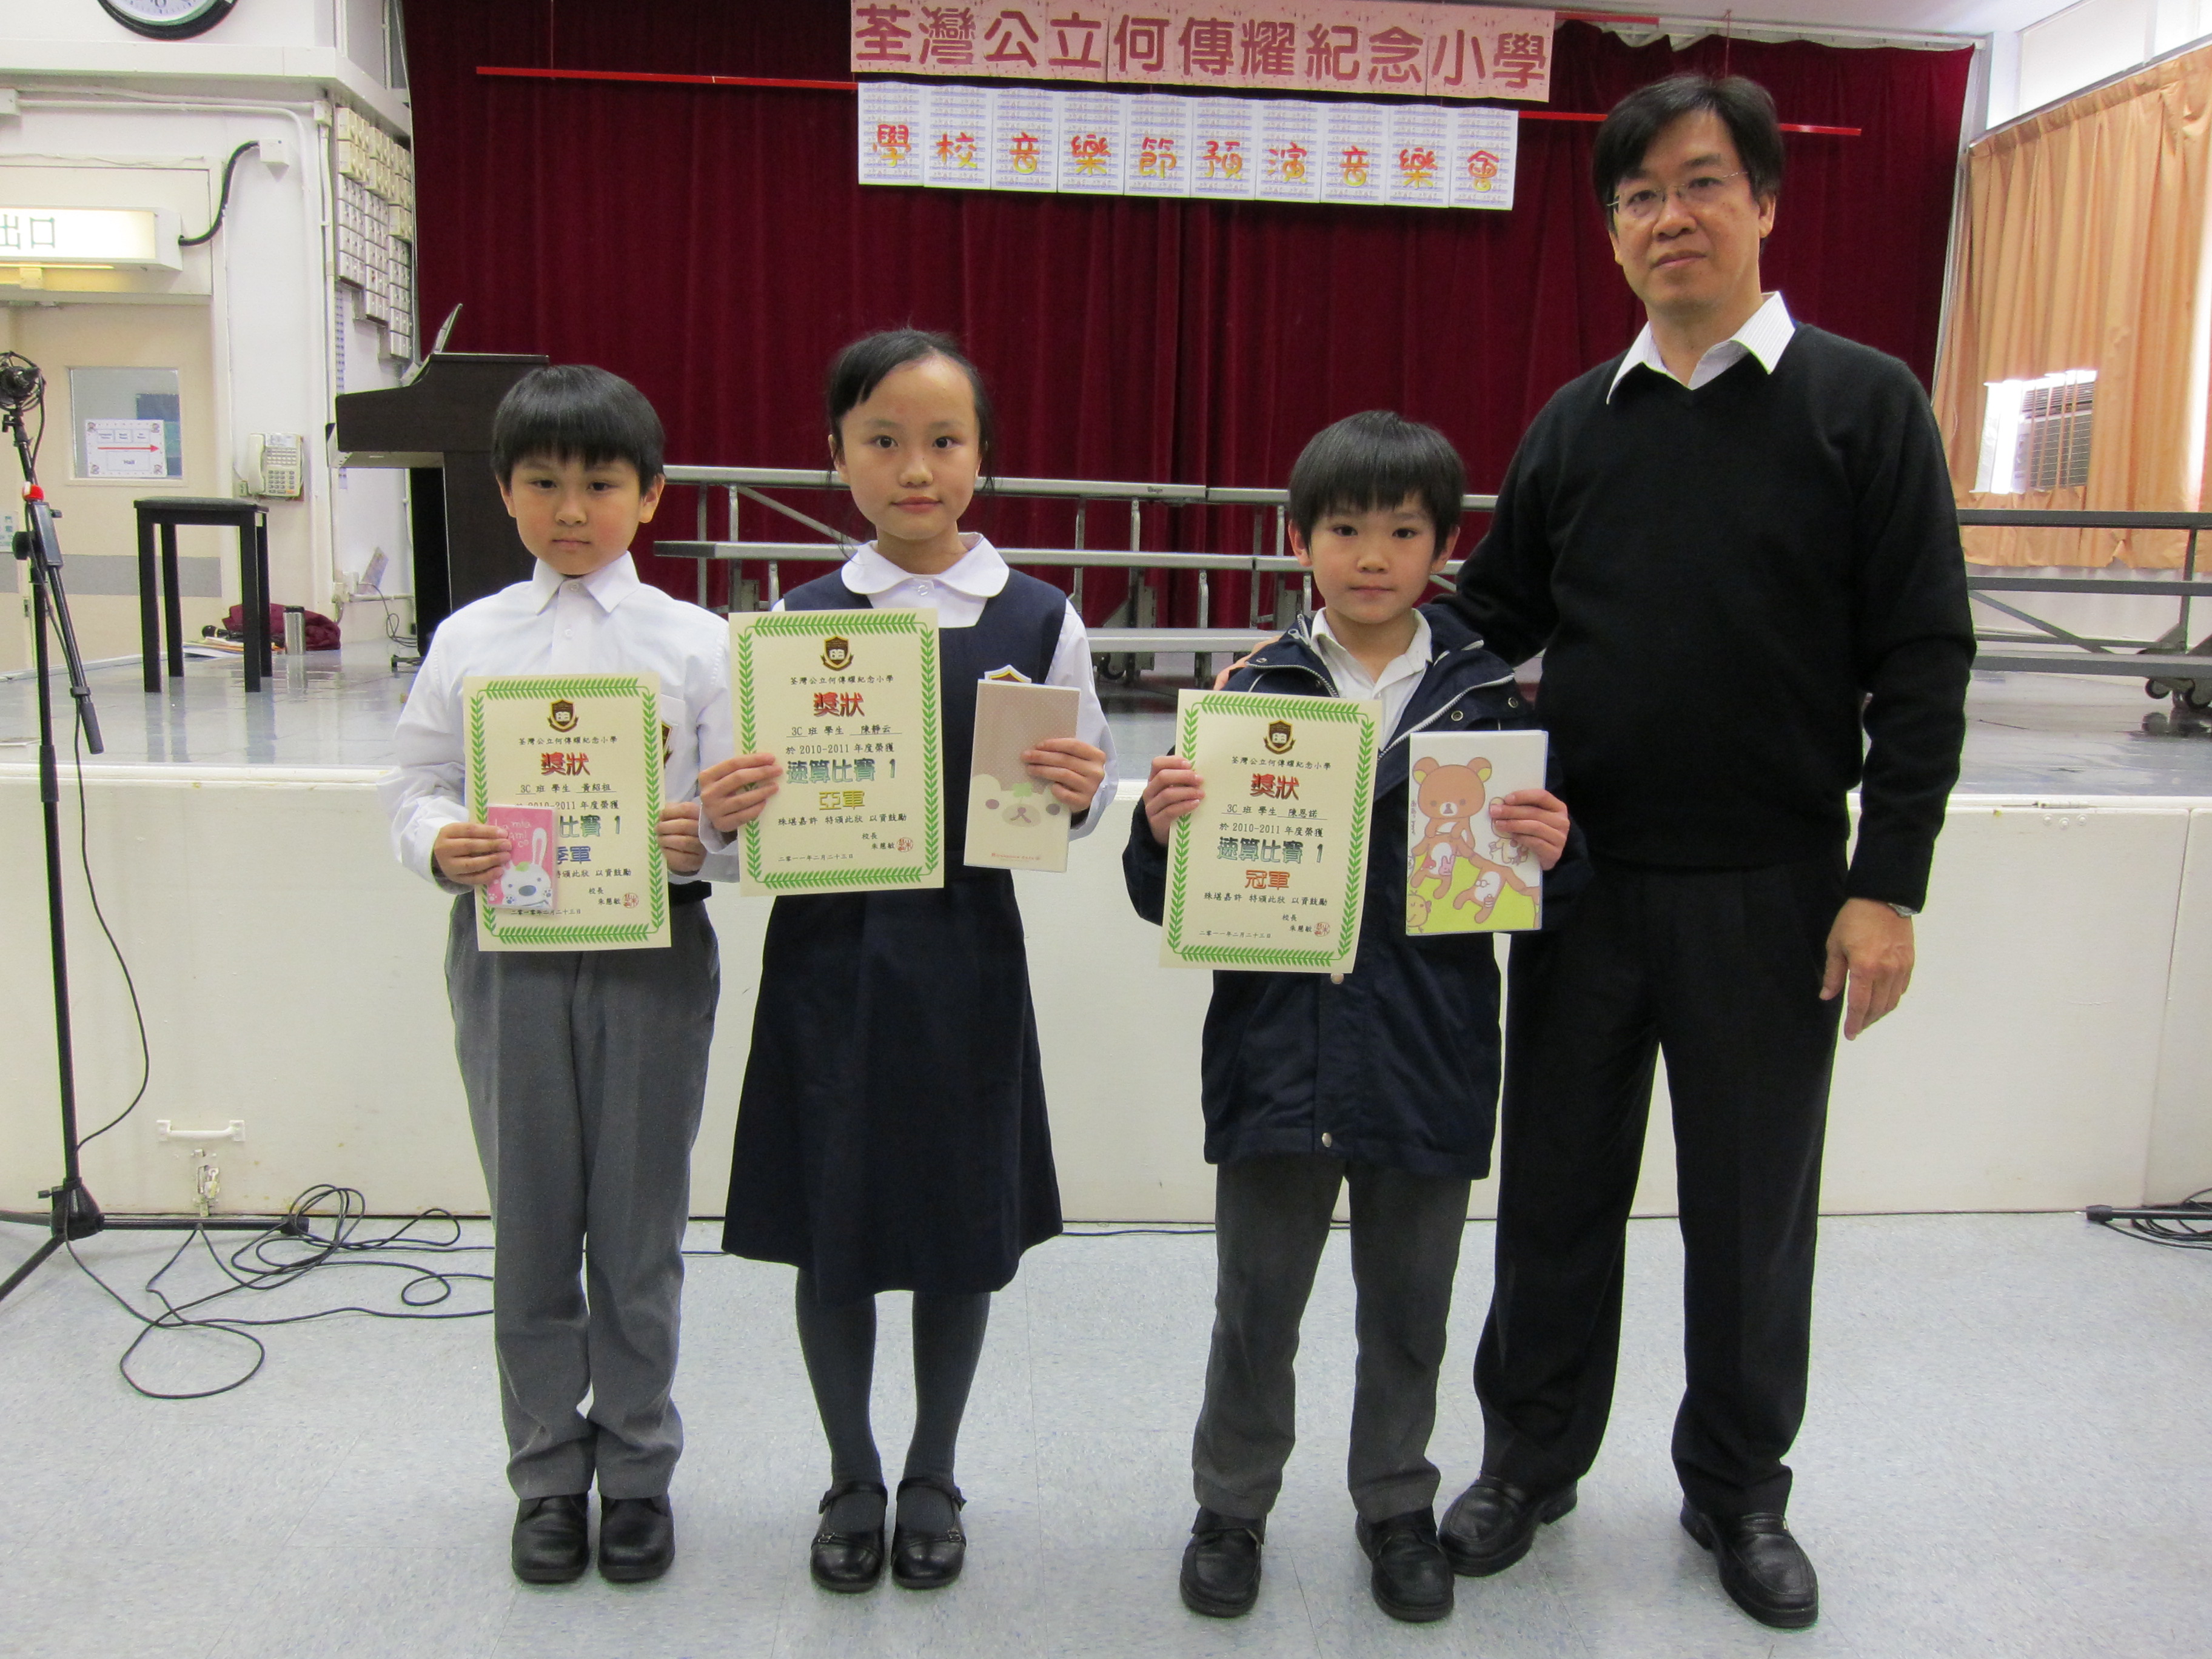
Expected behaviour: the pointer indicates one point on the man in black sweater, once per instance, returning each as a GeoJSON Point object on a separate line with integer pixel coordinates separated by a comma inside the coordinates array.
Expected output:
{"type": "Point", "coordinates": [1761, 511]}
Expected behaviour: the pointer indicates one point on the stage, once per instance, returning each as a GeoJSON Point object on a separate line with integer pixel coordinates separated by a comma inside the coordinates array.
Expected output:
{"type": "Point", "coordinates": [2051, 1054]}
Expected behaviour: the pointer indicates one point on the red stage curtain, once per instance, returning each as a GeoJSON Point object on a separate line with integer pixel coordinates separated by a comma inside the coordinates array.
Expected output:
{"type": "Point", "coordinates": [711, 244]}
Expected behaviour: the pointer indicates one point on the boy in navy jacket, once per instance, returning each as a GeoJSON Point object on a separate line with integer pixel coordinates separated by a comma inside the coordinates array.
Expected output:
{"type": "Point", "coordinates": [1385, 1078]}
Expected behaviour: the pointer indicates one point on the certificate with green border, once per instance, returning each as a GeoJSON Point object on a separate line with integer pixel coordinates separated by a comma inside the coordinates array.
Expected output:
{"type": "Point", "coordinates": [1269, 872]}
{"type": "Point", "coordinates": [590, 747]}
{"type": "Point", "coordinates": [849, 701]}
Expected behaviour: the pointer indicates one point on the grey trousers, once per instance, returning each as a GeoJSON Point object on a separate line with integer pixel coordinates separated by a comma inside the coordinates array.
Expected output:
{"type": "Point", "coordinates": [1271, 1219]}
{"type": "Point", "coordinates": [584, 1071]}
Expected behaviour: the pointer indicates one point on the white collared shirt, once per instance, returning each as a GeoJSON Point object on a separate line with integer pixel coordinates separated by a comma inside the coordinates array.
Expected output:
{"type": "Point", "coordinates": [1394, 686]}
{"type": "Point", "coordinates": [959, 593]}
{"type": "Point", "coordinates": [607, 622]}
{"type": "Point", "coordinates": [1764, 335]}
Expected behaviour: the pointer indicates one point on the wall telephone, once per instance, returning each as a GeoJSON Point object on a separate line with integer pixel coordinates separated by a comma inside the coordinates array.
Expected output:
{"type": "Point", "coordinates": [276, 463]}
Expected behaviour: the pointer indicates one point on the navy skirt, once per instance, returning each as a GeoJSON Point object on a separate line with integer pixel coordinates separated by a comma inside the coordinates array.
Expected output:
{"type": "Point", "coordinates": [892, 1132]}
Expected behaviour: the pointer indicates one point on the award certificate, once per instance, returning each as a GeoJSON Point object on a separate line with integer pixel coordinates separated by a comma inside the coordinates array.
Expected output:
{"type": "Point", "coordinates": [849, 701]}
{"type": "Point", "coordinates": [589, 747]}
{"type": "Point", "coordinates": [1462, 875]}
{"type": "Point", "coordinates": [1269, 872]}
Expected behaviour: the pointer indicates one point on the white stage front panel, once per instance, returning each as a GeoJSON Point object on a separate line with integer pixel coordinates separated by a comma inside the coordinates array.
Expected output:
{"type": "Point", "coordinates": [2049, 1054]}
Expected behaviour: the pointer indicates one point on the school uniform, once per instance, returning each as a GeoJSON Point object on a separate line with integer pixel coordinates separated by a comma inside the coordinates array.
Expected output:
{"type": "Point", "coordinates": [1385, 1078]}
{"type": "Point", "coordinates": [585, 1070]}
{"type": "Point", "coordinates": [891, 1134]}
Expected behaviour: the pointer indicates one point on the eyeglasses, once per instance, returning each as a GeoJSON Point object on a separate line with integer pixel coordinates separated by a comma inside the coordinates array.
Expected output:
{"type": "Point", "coordinates": [1642, 206]}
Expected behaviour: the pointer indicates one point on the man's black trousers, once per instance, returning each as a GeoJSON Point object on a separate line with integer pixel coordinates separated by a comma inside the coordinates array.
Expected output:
{"type": "Point", "coordinates": [1721, 971]}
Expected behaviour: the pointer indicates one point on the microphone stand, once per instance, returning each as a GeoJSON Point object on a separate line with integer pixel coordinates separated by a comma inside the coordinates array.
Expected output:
{"type": "Point", "coordinates": [72, 1213]}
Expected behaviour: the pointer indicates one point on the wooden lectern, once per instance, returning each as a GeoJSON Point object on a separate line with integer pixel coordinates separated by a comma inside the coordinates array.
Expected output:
{"type": "Point", "coordinates": [438, 426]}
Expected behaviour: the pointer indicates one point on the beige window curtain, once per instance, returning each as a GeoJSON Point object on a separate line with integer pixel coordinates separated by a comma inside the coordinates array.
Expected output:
{"type": "Point", "coordinates": [2084, 249]}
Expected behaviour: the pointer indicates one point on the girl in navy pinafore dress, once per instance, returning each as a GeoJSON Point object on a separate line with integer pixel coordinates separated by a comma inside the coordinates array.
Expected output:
{"type": "Point", "coordinates": [891, 1134]}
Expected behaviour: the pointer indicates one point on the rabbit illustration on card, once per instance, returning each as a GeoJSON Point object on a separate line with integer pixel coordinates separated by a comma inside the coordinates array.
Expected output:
{"type": "Point", "coordinates": [526, 883]}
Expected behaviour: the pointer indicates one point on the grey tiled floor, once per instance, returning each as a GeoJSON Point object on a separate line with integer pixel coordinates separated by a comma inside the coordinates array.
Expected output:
{"type": "Point", "coordinates": [2027, 733]}
{"type": "Point", "coordinates": [2005, 1455]}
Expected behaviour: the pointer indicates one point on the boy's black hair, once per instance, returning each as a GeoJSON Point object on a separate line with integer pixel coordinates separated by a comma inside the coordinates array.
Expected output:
{"type": "Point", "coordinates": [860, 368]}
{"type": "Point", "coordinates": [1745, 108]}
{"type": "Point", "coordinates": [575, 412]}
{"type": "Point", "coordinates": [1376, 458]}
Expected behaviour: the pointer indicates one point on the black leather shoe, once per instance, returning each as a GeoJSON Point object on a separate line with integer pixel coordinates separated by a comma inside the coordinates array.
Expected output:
{"type": "Point", "coordinates": [1491, 1525]}
{"type": "Point", "coordinates": [1221, 1565]}
{"type": "Point", "coordinates": [1412, 1580]}
{"type": "Point", "coordinates": [847, 1562]}
{"type": "Point", "coordinates": [1762, 1568]}
{"type": "Point", "coordinates": [929, 1561]}
{"type": "Point", "coordinates": [552, 1541]}
{"type": "Point", "coordinates": [637, 1538]}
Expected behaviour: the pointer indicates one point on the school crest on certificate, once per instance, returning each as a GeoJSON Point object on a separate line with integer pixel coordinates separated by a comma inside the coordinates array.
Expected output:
{"type": "Point", "coordinates": [849, 700]}
{"type": "Point", "coordinates": [1270, 872]}
{"type": "Point", "coordinates": [570, 765]}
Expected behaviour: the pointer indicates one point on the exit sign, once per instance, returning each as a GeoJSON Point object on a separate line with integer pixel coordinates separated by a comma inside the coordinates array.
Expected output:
{"type": "Point", "coordinates": [136, 238]}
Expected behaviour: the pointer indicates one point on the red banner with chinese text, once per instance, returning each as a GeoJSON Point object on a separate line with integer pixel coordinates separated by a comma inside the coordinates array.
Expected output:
{"type": "Point", "coordinates": [1294, 46]}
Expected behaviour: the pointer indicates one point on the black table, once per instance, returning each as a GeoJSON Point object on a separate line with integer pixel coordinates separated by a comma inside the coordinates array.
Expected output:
{"type": "Point", "coordinates": [164, 512]}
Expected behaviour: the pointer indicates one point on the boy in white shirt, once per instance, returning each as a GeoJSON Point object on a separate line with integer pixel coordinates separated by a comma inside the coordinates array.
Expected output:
{"type": "Point", "coordinates": [585, 1070]}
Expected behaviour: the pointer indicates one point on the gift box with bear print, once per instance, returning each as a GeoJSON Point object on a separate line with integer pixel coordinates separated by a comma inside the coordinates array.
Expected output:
{"type": "Point", "coordinates": [1462, 874]}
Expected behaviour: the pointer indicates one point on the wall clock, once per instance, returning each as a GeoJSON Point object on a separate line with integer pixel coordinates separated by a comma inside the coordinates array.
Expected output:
{"type": "Point", "coordinates": [168, 20]}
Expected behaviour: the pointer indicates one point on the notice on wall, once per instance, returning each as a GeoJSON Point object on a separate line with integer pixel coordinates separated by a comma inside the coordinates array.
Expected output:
{"type": "Point", "coordinates": [1158, 134]}
{"type": "Point", "coordinates": [892, 118]}
{"type": "Point", "coordinates": [1417, 157]}
{"type": "Point", "coordinates": [956, 137]}
{"type": "Point", "coordinates": [1092, 144]}
{"type": "Point", "coordinates": [1040, 140]}
{"type": "Point", "coordinates": [1355, 163]}
{"type": "Point", "coordinates": [1223, 133]}
{"type": "Point", "coordinates": [1024, 138]}
{"type": "Point", "coordinates": [126, 449]}
{"type": "Point", "coordinates": [1289, 145]}
{"type": "Point", "coordinates": [1485, 145]}
{"type": "Point", "coordinates": [1383, 46]}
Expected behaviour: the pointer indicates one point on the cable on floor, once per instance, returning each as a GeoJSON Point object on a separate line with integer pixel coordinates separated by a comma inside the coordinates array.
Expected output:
{"type": "Point", "coordinates": [2176, 1232]}
{"type": "Point", "coordinates": [283, 1254]}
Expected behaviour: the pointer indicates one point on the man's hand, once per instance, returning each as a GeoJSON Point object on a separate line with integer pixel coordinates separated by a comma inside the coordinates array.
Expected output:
{"type": "Point", "coordinates": [1871, 947]}
{"type": "Point", "coordinates": [1172, 791]}
{"type": "Point", "coordinates": [1071, 767]}
{"type": "Point", "coordinates": [1221, 680]}
{"type": "Point", "coordinates": [471, 854]}
{"type": "Point", "coordinates": [1537, 819]}
{"type": "Point", "coordinates": [733, 793]}
{"type": "Point", "coordinates": [680, 846]}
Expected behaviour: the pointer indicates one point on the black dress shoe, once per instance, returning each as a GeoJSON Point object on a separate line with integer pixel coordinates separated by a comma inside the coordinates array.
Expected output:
{"type": "Point", "coordinates": [637, 1538]}
{"type": "Point", "coordinates": [929, 1561]}
{"type": "Point", "coordinates": [1491, 1525]}
{"type": "Point", "coordinates": [1762, 1568]}
{"type": "Point", "coordinates": [1412, 1580]}
{"type": "Point", "coordinates": [1221, 1565]}
{"type": "Point", "coordinates": [847, 1562]}
{"type": "Point", "coordinates": [552, 1541]}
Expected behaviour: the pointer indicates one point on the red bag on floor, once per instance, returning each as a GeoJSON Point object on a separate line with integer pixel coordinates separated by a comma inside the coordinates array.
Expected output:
{"type": "Point", "coordinates": [322, 632]}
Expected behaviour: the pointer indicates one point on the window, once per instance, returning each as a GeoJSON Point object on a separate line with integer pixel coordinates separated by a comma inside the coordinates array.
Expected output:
{"type": "Point", "coordinates": [2036, 434]}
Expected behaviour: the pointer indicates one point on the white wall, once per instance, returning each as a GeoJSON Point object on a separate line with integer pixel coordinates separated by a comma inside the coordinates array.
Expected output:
{"type": "Point", "coordinates": [107, 118]}
{"type": "Point", "coordinates": [2051, 1052]}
